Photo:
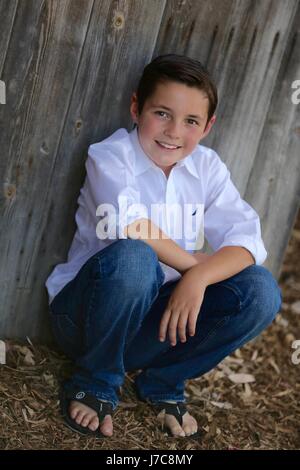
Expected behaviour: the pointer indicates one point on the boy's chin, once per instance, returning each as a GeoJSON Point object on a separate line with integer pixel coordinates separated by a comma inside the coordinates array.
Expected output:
{"type": "Point", "coordinates": [166, 166]}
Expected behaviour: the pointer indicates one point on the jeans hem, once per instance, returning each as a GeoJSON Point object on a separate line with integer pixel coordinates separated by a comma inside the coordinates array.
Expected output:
{"type": "Point", "coordinates": [103, 396]}
{"type": "Point", "coordinates": [98, 395]}
{"type": "Point", "coordinates": [153, 399]}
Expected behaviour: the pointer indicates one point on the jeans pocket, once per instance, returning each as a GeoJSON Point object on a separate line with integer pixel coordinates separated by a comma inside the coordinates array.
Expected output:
{"type": "Point", "coordinates": [67, 334]}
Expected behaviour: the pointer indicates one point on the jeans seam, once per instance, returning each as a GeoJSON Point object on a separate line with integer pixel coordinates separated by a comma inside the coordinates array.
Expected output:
{"type": "Point", "coordinates": [89, 312]}
{"type": "Point", "coordinates": [237, 294]}
{"type": "Point", "coordinates": [211, 333]}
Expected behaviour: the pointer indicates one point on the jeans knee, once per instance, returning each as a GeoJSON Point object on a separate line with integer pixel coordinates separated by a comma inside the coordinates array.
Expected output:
{"type": "Point", "coordinates": [264, 295]}
{"type": "Point", "coordinates": [132, 261]}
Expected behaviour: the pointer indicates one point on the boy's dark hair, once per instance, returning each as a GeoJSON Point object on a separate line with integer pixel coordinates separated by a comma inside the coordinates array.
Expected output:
{"type": "Point", "coordinates": [176, 68]}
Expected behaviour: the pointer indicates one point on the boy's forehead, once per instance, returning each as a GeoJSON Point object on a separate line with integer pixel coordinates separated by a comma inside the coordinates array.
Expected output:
{"type": "Point", "coordinates": [173, 95]}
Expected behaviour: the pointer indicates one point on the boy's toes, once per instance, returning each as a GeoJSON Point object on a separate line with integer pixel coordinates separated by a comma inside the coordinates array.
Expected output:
{"type": "Point", "coordinates": [189, 426]}
{"type": "Point", "coordinates": [74, 413]}
{"type": "Point", "coordinates": [87, 417]}
{"type": "Point", "coordinates": [189, 431]}
{"type": "Point", "coordinates": [173, 425]}
{"type": "Point", "coordinates": [87, 420]}
{"type": "Point", "coordinates": [79, 417]}
{"type": "Point", "coordinates": [94, 423]}
{"type": "Point", "coordinates": [177, 431]}
{"type": "Point", "coordinates": [106, 426]}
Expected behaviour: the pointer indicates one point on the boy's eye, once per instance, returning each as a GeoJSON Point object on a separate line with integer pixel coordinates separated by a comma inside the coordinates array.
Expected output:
{"type": "Point", "coordinates": [193, 120]}
{"type": "Point", "coordinates": [160, 113]}
{"type": "Point", "coordinates": [163, 114]}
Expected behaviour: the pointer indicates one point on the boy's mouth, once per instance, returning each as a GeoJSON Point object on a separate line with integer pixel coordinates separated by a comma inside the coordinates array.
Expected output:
{"type": "Point", "coordinates": [167, 146]}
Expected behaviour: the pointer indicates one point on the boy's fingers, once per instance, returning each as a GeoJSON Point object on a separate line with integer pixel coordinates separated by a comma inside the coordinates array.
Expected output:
{"type": "Point", "coordinates": [173, 327]}
{"type": "Point", "coordinates": [164, 325]}
{"type": "Point", "coordinates": [192, 322]}
{"type": "Point", "coordinates": [182, 327]}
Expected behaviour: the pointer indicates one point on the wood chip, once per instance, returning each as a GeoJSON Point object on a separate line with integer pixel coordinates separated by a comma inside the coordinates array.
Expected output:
{"type": "Point", "coordinates": [241, 378]}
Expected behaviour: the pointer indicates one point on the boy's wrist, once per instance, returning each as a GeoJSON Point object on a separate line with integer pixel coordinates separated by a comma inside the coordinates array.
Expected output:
{"type": "Point", "coordinates": [202, 274]}
{"type": "Point", "coordinates": [201, 257]}
{"type": "Point", "coordinates": [191, 262]}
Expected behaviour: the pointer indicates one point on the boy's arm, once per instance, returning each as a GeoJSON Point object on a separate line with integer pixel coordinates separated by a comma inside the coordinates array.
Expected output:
{"type": "Point", "coordinates": [167, 250]}
{"type": "Point", "coordinates": [224, 263]}
{"type": "Point", "coordinates": [185, 302]}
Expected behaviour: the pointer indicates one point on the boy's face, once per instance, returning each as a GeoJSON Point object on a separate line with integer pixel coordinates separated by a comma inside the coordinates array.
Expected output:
{"type": "Point", "coordinates": [180, 127]}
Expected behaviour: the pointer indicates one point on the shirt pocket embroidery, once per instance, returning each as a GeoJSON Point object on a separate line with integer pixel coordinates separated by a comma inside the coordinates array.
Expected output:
{"type": "Point", "coordinates": [194, 226]}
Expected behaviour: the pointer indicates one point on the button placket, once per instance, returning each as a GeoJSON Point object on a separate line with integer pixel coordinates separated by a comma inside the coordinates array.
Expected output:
{"type": "Point", "coordinates": [172, 216]}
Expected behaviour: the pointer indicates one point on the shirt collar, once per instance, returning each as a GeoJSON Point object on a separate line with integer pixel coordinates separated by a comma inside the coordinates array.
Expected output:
{"type": "Point", "coordinates": [143, 162]}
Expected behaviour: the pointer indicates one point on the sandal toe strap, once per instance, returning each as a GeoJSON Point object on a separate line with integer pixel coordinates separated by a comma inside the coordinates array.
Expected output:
{"type": "Point", "coordinates": [175, 409]}
{"type": "Point", "coordinates": [102, 408]}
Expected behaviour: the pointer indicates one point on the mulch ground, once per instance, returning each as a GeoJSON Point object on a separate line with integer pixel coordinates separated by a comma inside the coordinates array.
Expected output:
{"type": "Point", "coordinates": [249, 401]}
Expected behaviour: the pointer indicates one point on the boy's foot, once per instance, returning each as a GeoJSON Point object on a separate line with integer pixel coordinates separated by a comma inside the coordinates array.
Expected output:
{"type": "Point", "coordinates": [176, 419]}
{"type": "Point", "coordinates": [188, 428]}
{"type": "Point", "coordinates": [87, 417]}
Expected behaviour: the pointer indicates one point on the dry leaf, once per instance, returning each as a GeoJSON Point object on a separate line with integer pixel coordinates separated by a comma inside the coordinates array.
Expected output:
{"type": "Point", "coordinates": [225, 405]}
{"type": "Point", "coordinates": [30, 411]}
{"type": "Point", "coordinates": [124, 404]}
{"type": "Point", "coordinates": [295, 307]}
{"type": "Point", "coordinates": [196, 390]}
{"type": "Point", "coordinates": [241, 378]}
{"type": "Point", "coordinates": [274, 365]}
{"type": "Point", "coordinates": [225, 368]}
{"type": "Point", "coordinates": [234, 360]}
{"type": "Point", "coordinates": [238, 353]}
{"type": "Point", "coordinates": [284, 306]}
{"type": "Point", "coordinates": [248, 391]}
{"type": "Point", "coordinates": [254, 355]}
{"type": "Point", "coordinates": [281, 321]}
{"type": "Point", "coordinates": [26, 352]}
{"type": "Point", "coordinates": [28, 359]}
{"type": "Point", "coordinates": [282, 394]}
{"type": "Point", "coordinates": [49, 379]}
{"type": "Point", "coordinates": [289, 339]}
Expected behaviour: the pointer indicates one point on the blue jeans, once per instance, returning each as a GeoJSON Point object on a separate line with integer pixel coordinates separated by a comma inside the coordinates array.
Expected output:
{"type": "Point", "coordinates": [107, 320]}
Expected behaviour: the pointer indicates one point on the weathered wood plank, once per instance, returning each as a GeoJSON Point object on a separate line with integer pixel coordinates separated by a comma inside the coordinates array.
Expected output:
{"type": "Point", "coordinates": [247, 66]}
{"type": "Point", "coordinates": [41, 63]}
{"type": "Point", "coordinates": [55, 142]}
{"type": "Point", "coordinates": [242, 43]}
{"type": "Point", "coordinates": [274, 183]}
{"type": "Point", "coordinates": [8, 10]}
{"type": "Point", "coordinates": [193, 27]}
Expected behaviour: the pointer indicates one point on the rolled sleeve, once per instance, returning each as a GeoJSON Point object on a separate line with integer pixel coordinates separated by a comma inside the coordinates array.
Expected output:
{"type": "Point", "coordinates": [228, 219]}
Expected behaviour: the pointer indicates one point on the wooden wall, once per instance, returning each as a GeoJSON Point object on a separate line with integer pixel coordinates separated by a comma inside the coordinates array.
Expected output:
{"type": "Point", "coordinates": [70, 67]}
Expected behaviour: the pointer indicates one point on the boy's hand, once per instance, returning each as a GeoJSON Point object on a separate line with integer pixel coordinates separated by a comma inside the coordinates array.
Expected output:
{"type": "Point", "coordinates": [183, 308]}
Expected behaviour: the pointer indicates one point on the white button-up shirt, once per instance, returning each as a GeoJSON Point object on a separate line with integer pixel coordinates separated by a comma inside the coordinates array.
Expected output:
{"type": "Point", "coordinates": [198, 200]}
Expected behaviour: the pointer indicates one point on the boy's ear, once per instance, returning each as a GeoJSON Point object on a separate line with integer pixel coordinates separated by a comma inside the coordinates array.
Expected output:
{"type": "Point", "coordinates": [209, 126]}
{"type": "Point", "coordinates": [134, 108]}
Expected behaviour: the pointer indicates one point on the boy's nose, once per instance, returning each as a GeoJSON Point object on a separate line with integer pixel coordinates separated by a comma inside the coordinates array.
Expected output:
{"type": "Point", "coordinates": [173, 132]}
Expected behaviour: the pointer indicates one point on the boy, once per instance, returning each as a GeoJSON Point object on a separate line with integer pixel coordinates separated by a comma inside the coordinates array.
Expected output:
{"type": "Point", "coordinates": [130, 297]}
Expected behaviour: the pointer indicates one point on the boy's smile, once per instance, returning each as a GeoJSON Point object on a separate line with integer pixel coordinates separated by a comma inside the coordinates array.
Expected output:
{"type": "Point", "coordinates": [172, 122]}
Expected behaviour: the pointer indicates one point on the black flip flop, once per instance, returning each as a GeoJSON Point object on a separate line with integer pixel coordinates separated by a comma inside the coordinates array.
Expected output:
{"type": "Point", "coordinates": [177, 410]}
{"type": "Point", "coordinates": [102, 409]}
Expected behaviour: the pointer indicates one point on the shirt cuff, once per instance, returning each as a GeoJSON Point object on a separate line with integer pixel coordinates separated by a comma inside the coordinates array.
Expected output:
{"type": "Point", "coordinates": [256, 248]}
